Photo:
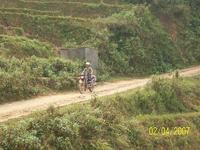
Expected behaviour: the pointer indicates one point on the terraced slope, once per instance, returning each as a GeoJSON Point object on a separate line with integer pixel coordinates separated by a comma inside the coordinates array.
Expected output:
{"type": "Point", "coordinates": [131, 39]}
{"type": "Point", "coordinates": [76, 9]}
{"type": "Point", "coordinates": [153, 37]}
{"type": "Point", "coordinates": [56, 22]}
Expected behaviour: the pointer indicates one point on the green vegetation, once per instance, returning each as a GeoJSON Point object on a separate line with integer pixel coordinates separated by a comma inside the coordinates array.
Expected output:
{"type": "Point", "coordinates": [117, 122]}
{"type": "Point", "coordinates": [76, 9]}
{"type": "Point", "coordinates": [153, 37]}
{"type": "Point", "coordinates": [23, 78]}
{"type": "Point", "coordinates": [136, 33]}
{"type": "Point", "coordinates": [20, 47]}
{"type": "Point", "coordinates": [133, 37]}
{"type": "Point", "coordinates": [30, 11]}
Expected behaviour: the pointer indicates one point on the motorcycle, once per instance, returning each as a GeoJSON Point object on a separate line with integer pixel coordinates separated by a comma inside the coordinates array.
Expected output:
{"type": "Point", "coordinates": [84, 84]}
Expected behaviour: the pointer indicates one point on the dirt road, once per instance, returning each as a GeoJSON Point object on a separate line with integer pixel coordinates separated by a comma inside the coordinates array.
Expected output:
{"type": "Point", "coordinates": [22, 108]}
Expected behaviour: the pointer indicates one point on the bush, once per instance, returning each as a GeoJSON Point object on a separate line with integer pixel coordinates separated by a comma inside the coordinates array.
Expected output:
{"type": "Point", "coordinates": [21, 47]}
{"type": "Point", "coordinates": [159, 97]}
{"type": "Point", "coordinates": [32, 76]}
{"type": "Point", "coordinates": [142, 48]}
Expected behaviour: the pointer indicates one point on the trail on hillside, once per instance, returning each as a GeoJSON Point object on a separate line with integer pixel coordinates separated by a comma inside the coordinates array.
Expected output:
{"type": "Point", "coordinates": [22, 108]}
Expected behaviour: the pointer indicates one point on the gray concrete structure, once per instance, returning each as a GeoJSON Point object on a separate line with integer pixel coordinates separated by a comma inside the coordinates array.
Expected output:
{"type": "Point", "coordinates": [84, 54]}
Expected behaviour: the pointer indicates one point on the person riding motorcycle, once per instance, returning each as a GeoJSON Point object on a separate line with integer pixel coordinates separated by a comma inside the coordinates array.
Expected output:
{"type": "Point", "coordinates": [87, 72]}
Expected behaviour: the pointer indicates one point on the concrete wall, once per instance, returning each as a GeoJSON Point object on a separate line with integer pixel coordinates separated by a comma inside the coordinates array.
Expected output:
{"type": "Point", "coordinates": [84, 54]}
{"type": "Point", "coordinates": [73, 53]}
{"type": "Point", "coordinates": [91, 55]}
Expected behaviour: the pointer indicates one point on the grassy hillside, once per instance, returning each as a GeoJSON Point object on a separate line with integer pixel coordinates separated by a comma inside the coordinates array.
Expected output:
{"type": "Point", "coordinates": [133, 37]}
{"type": "Point", "coordinates": [76, 9]}
{"type": "Point", "coordinates": [118, 122]}
{"type": "Point", "coordinates": [146, 26]}
{"type": "Point", "coordinates": [23, 47]}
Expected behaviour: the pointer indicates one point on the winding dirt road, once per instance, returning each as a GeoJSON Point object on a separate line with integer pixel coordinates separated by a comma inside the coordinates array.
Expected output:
{"type": "Point", "coordinates": [22, 108]}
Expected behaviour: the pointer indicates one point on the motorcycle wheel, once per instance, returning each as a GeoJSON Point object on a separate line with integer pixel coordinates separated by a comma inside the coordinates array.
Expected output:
{"type": "Point", "coordinates": [91, 87]}
{"type": "Point", "coordinates": [81, 87]}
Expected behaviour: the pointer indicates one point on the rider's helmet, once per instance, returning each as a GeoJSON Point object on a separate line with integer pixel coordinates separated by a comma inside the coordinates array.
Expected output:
{"type": "Point", "coordinates": [87, 64]}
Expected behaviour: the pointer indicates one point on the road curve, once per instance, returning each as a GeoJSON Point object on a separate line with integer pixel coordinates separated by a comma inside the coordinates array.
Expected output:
{"type": "Point", "coordinates": [25, 107]}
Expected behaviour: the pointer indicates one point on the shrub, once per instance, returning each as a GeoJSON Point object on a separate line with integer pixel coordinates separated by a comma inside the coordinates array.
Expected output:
{"type": "Point", "coordinates": [23, 47]}
{"type": "Point", "coordinates": [32, 76]}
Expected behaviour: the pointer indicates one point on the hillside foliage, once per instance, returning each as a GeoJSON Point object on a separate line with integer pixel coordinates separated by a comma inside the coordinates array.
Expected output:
{"type": "Point", "coordinates": [117, 122]}
{"type": "Point", "coordinates": [133, 37]}
{"type": "Point", "coordinates": [23, 78]}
